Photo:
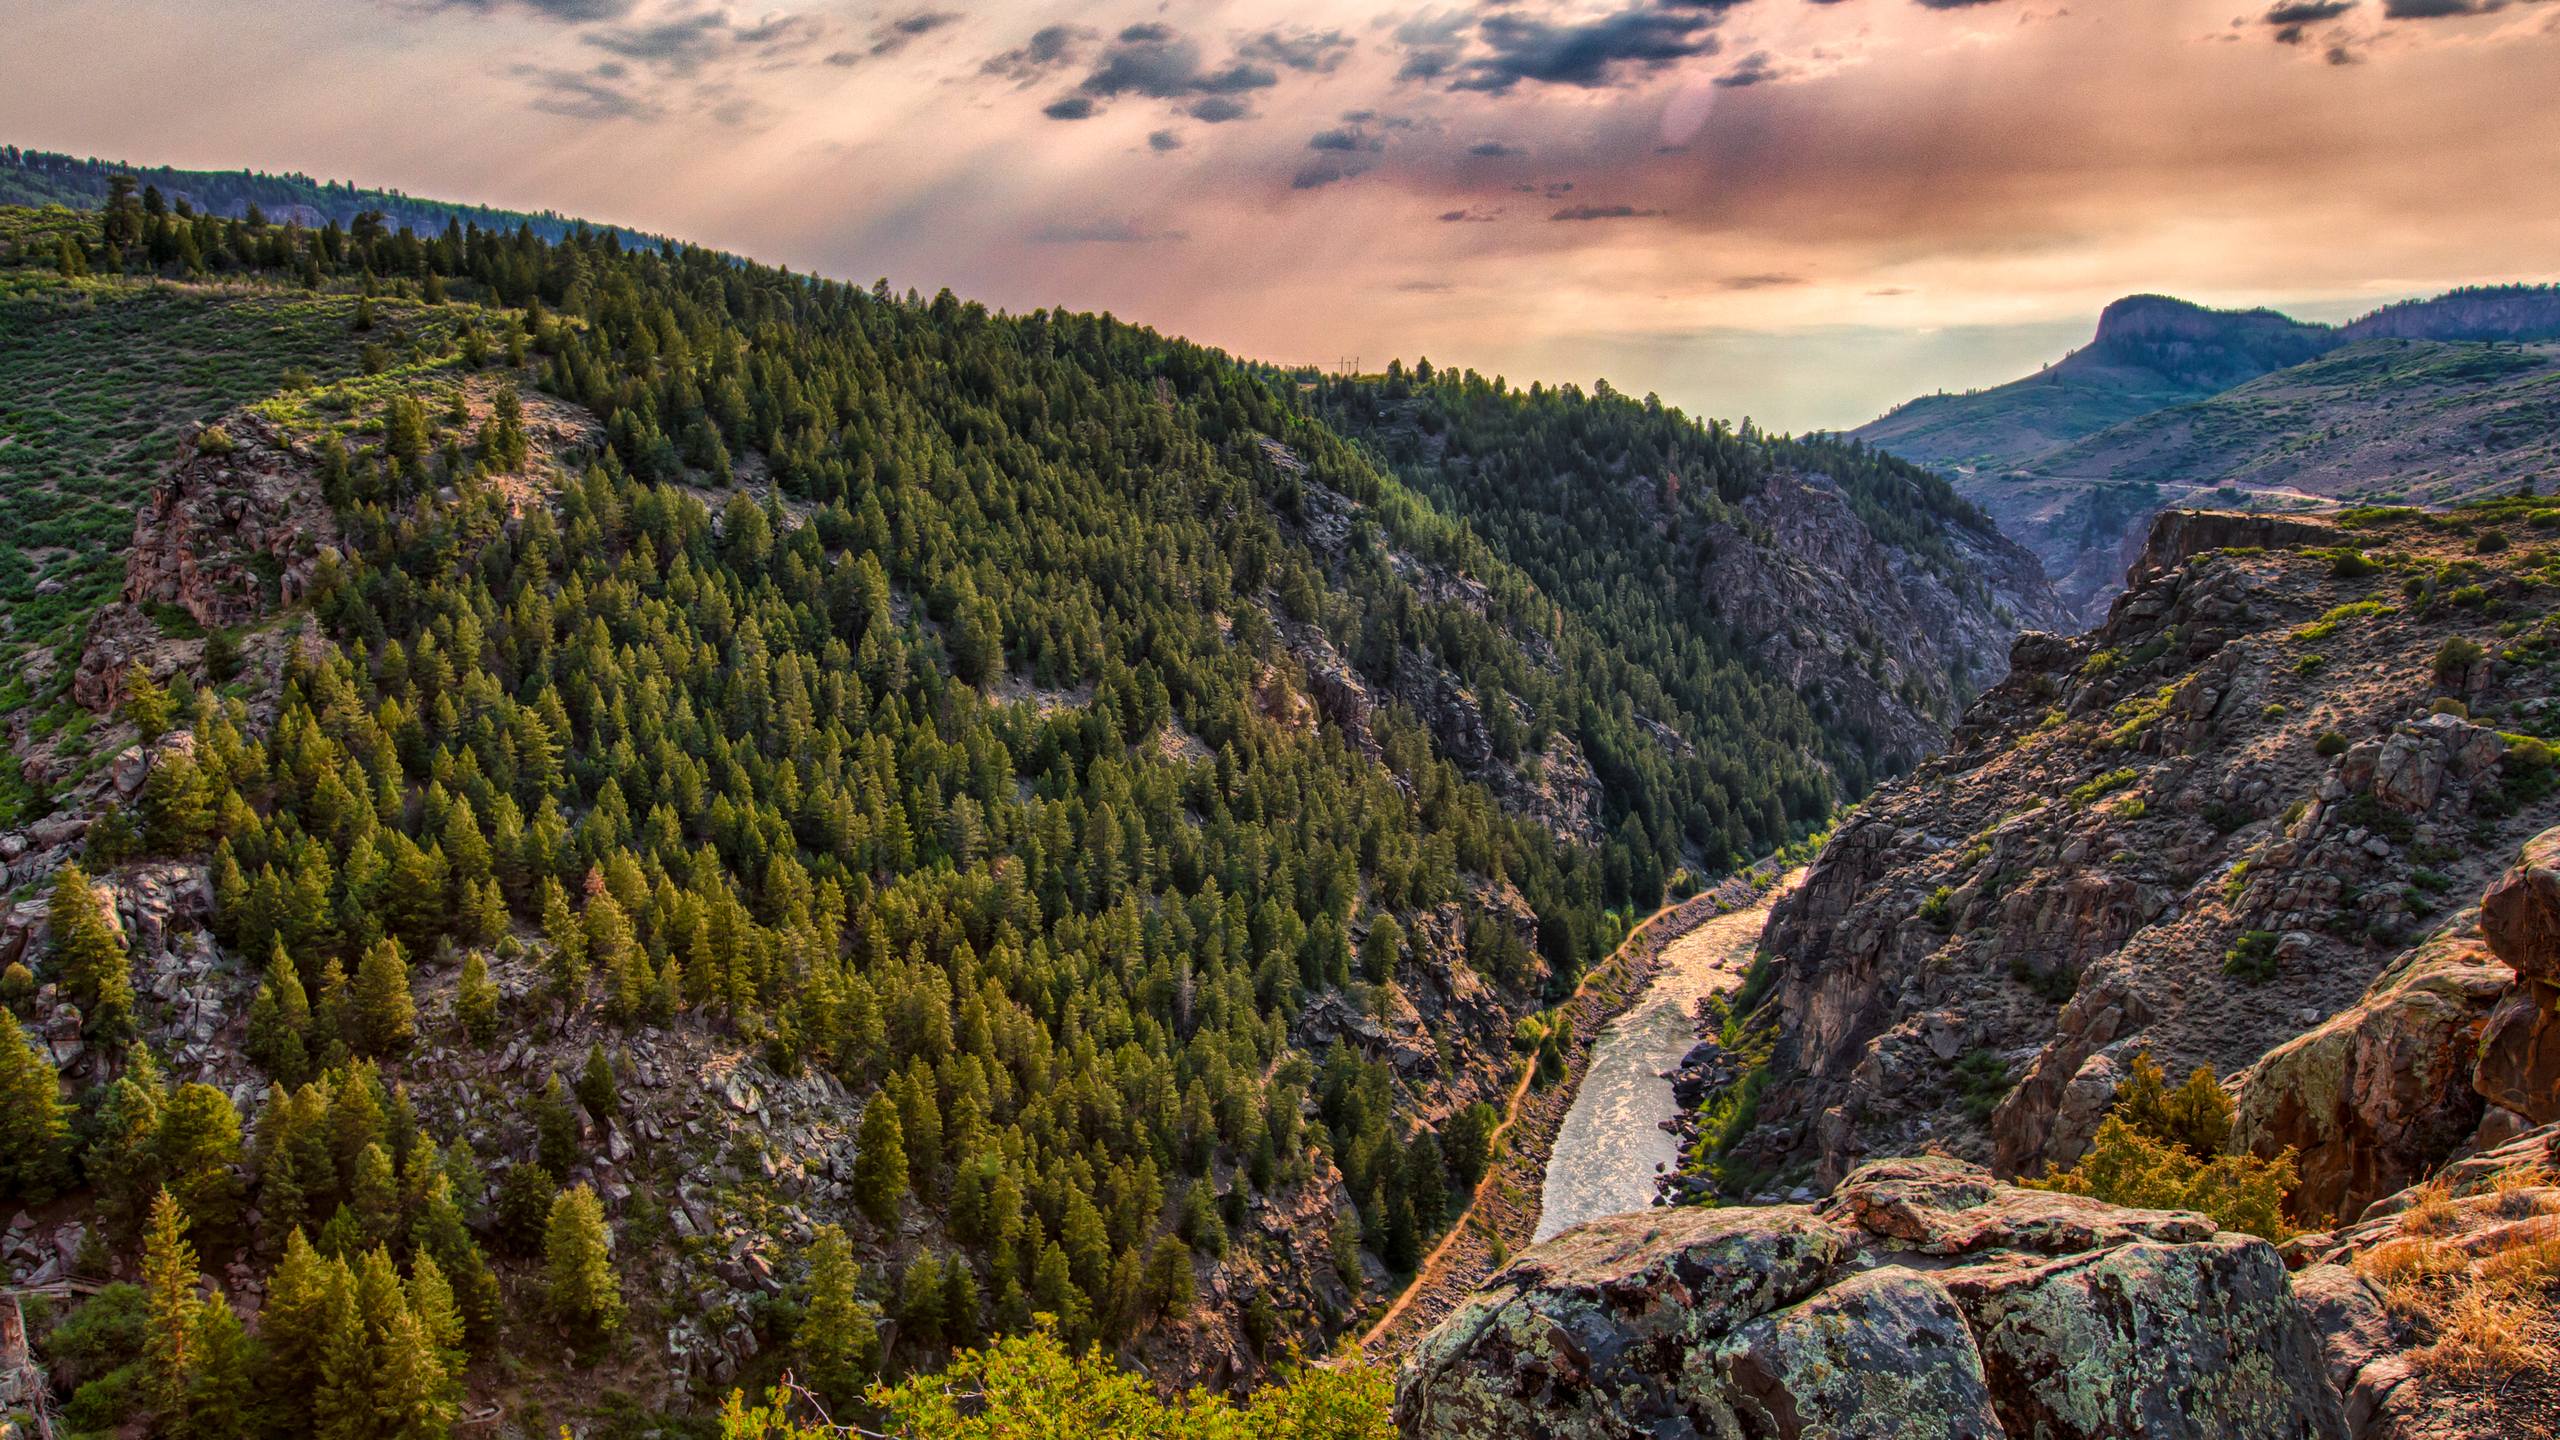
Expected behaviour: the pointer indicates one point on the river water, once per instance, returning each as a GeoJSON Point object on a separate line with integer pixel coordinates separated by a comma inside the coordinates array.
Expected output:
{"type": "Point", "coordinates": [1605, 1157]}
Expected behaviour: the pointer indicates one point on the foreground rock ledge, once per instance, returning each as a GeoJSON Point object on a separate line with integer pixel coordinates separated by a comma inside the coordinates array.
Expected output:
{"type": "Point", "coordinates": [1921, 1299]}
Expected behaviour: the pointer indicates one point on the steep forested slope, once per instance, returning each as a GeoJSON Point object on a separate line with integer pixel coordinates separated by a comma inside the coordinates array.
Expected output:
{"type": "Point", "coordinates": [1850, 597]}
{"type": "Point", "coordinates": [637, 799]}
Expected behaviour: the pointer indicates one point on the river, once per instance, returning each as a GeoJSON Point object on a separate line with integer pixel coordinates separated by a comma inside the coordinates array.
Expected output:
{"type": "Point", "coordinates": [1606, 1156]}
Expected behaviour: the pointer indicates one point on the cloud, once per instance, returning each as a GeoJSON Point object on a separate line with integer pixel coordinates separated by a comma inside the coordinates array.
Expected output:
{"type": "Point", "coordinates": [1467, 217]}
{"type": "Point", "coordinates": [1755, 68]}
{"type": "Point", "coordinates": [1954, 4]}
{"type": "Point", "coordinates": [1103, 231]}
{"type": "Point", "coordinates": [1073, 107]}
{"type": "Point", "coordinates": [1425, 287]}
{"type": "Point", "coordinates": [896, 35]}
{"type": "Point", "coordinates": [1155, 61]}
{"type": "Point", "coordinates": [2438, 9]}
{"type": "Point", "coordinates": [1602, 212]}
{"type": "Point", "coordinates": [1049, 47]}
{"type": "Point", "coordinates": [1494, 150]}
{"type": "Point", "coordinates": [1217, 109]}
{"type": "Point", "coordinates": [1773, 280]}
{"type": "Point", "coordinates": [2293, 19]}
{"type": "Point", "coordinates": [585, 95]}
{"type": "Point", "coordinates": [1347, 139]}
{"type": "Point", "coordinates": [1163, 140]}
{"type": "Point", "coordinates": [1604, 53]}
{"type": "Point", "coordinates": [1316, 174]}
{"type": "Point", "coordinates": [1314, 50]}
{"type": "Point", "coordinates": [686, 44]}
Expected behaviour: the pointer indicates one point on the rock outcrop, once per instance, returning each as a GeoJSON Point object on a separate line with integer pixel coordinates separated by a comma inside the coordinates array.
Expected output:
{"type": "Point", "coordinates": [2455, 1045]}
{"type": "Point", "coordinates": [1921, 1298]}
{"type": "Point", "coordinates": [2202, 830]}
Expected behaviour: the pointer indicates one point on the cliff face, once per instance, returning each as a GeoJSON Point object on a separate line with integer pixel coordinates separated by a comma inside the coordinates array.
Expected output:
{"type": "Point", "coordinates": [2200, 830]}
{"type": "Point", "coordinates": [1885, 643]}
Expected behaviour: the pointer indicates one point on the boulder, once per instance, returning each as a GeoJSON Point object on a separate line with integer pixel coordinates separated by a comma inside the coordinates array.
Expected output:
{"type": "Point", "coordinates": [2520, 911]}
{"type": "Point", "coordinates": [1921, 1298]}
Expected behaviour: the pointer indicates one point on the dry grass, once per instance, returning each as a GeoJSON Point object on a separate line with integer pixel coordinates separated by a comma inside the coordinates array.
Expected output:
{"type": "Point", "coordinates": [2488, 1317]}
{"type": "Point", "coordinates": [2431, 1211]}
{"type": "Point", "coordinates": [2524, 1190]}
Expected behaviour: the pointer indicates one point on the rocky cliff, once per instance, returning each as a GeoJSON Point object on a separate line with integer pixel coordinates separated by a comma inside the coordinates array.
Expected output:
{"type": "Point", "coordinates": [2201, 830]}
{"type": "Point", "coordinates": [1920, 1298]}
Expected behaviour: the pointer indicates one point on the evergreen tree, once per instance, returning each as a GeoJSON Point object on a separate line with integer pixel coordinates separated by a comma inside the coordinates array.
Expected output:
{"type": "Point", "coordinates": [596, 1089]}
{"type": "Point", "coordinates": [145, 704]}
{"type": "Point", "coordinates": [837, 1338]}
{"type": "Point", "coordinates": [385, 1014]}
{"type": "Point", "coordinates": [169, 1279]}
{"type": "Point", "coordinates": [198, 1145]}
{"type": "Point", "coordinates": [582, 1289]}
{"type": "Point", "coordinates": [222, 1402]}
{"type": "Point", "coordinates": [35, 1129]}
{"type": "Point", "coordinates": [879, 1162]}
{"type": "Point", "coordinates": [476, 1001]}
{"type": "Point", "coordinates": [90, 952]}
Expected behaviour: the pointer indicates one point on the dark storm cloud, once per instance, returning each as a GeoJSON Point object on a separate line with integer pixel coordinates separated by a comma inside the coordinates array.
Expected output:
{"type": "Point", "coordinates": [1954, 4]}
{"type": "Point", "coordinates": [1494, 150]}
{"type": "Point", "coordinates": [1603, 53]}
{"type": "Point", "coordinates": [1073, 107]}
{"type": "Point", "coordinates": [1163, 140]}
{"type": "Point", "coordinates": [1316, 174]}
{"type": "Point", "coordinates": [1217, 110]}
{"type": "Point", "coordinates": [2437, 9]}
{"type": "Point", "coordinates": [1049, 47]}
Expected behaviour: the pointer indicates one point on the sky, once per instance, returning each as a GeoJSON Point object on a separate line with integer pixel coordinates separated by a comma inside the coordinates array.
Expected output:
{"type": "Point", "coordinates": [1801, 211]}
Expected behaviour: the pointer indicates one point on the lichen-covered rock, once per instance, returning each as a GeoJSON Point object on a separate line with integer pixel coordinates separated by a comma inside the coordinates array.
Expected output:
{"type": "Point", "coordinates": [1921, 1298]}
{"type": "Point", "coordinates": [2519, 1066]}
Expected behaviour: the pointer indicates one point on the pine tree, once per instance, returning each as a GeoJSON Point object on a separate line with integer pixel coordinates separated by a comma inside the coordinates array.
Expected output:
{"type": "Point", "coordinates": [476, 1001]}
{"type": "Point", "coordinates": [90, 952]}
{"type": "Point", "coordinates": [583, 1290]}
{"type": "Point", "coordinates": [879, 1162]}
{"type": "Point", "coordinates": [385, 1015]}
{"type": "Point", "coordinates": [146, 705]}
{"type": "Point", "coordinates": [596, 1089]}
{"type": "Point", "coordinates": [310, 1299]}
{"type": "Point", "coordinates": [279, 1018]}
{"type": "Point", "coordinates": [221, 1402]}
{"type": "Point", "coordinates": [198, 1146]}
{"type": "Point", "coordinates": [35, 1127]}
{"type": "Point", "coordinates": [169, 1278]}
{"type": "Point", "coordinates": [176, 805]}
{"type": "Point", "coordinates": [837, 1339]}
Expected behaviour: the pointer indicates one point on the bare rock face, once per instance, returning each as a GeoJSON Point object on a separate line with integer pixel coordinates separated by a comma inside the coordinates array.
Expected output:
{"type": "Point", "coordinates": [237, 528]}
{"type": "Point", "coordinates": [2456, 1044]}
{"type": "Point", "coordinates": [2201, 830]}
{"type": "Point", "coordinates": [1921, 1298]}
{"type": "Point", "coordinates": [2379, 1093]}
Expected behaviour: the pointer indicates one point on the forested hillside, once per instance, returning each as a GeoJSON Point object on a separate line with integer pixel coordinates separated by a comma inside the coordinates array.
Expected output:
{"type": "Point", "coordinates": [1813, 591]}
{"type": "Point", "coordinates": [42, 177]}
{"type": "Point", "coordinates": [637, 802]}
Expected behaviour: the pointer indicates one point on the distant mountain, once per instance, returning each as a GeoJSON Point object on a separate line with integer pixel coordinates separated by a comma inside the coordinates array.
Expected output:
{"type": "Point", "coordinates": [42, 177]}
{"type": "Point", "coordinates": [2171, 403]}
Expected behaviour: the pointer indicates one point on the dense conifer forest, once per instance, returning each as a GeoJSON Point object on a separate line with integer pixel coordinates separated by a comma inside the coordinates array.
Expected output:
{"type": "Point", "coordinates": [905, 694]}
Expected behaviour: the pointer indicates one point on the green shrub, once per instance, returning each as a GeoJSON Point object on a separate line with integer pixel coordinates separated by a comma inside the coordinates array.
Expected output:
{"type": "Point", "coordinates": [2489, 543]}
{"type": "Point", "coordinates": [2160, 1149]}
{"type": "Point", "coordinates": [2456, 655]}
{"type": "Point", "coordinates": [2327, 624]}
{"type": "Point", "coordinates": [1983, 1078]}
{"type": "Point", "coordinates": [2329, 743]}
{"type": "Point", "coordinates": [2251, 958]}
{"type": "Point", "coordinates": [1933, 911]}
{"type": "Point", "coordinates": [2104, 785]}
